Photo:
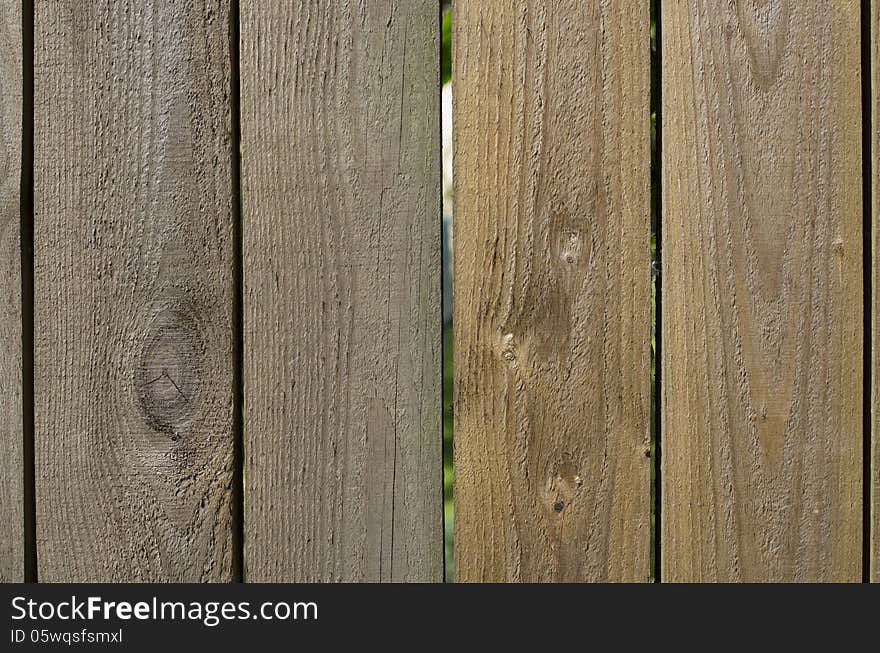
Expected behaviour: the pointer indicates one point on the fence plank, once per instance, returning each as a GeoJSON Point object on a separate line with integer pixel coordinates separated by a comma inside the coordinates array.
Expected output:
{"type": "Point", "coordinates": [134, 291]}
{"type": "Point", "coordinates": [762, 322]}
{"type": "Point", "coordinates": [341, 192]}
{"type": "Point", "coordinates": [11, 499]}
{"type": "Point", "coordinates": [875, 213]}
{"type": "Point", "coordinates": [553, 297]}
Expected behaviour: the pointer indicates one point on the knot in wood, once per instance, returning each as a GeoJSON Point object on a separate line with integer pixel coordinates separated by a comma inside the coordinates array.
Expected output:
{"type": "Point", "coordinates": [572, 247]}
{"type": "Point", "coordinates": [508, 349]}
{"type": "Point", "coordinates": [168, 370]}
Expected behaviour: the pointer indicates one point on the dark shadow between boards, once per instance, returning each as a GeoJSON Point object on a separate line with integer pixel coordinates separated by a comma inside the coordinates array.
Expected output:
{"type": "Point", "coordinates": [26, 246]}
{"type": "Point", "coordinates": [656, 230]}
{"type": "Point", "coordinates": [867, 270]}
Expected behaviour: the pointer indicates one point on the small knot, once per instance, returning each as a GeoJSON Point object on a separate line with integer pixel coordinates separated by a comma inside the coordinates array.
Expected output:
{"type": "Point", "coordinates": [559, 506]}
{"type": "Point", "coordinates": [572, 248]}
{"type": "Point", "coordinates": [508, 349]}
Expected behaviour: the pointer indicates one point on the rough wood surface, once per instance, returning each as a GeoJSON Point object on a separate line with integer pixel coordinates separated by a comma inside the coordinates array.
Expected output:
{"type": "Point", "coordinates": [134, 291]}
{"type": "Point", "coordinates": [875, 286]}
{"type": "Point", "coordinates": [11, 474]}
{"type": "Point", "coordinates": [341, 210]}
{"type": "Point", "coordinates": [552, 296]}
{"type": "Point", "coordinates": [762, 287]}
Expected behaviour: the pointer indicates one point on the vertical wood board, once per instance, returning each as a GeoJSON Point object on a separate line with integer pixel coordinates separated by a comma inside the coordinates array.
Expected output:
{"type": "Point", "coordinates": [11, 461]}
{"type": "Point", "coordinates": [553, 295]}
{"type": "Point", "coordinates": [134, 291]}
{"type": "Point", "coordinates": [341, 211]}
{"type": "Point", "coordinates": [874, 543]}
{"type": "Point", "coordinates": [762, 287]}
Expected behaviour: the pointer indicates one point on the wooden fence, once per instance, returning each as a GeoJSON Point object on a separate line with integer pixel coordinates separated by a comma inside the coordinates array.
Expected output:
{"type": "Point", "coordinates": [220, 337]}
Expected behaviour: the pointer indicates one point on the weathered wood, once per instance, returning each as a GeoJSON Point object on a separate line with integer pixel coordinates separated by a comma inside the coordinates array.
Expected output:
{"type": "Point", "coordinates": [11, 462]}
{"type": "Point", "coordinates": [553, 295]}
{"type": "Point", "coordinates": [134, 291]}
{"type": "Point", "coordinates": [341, 210]}
{"type": "Point", "coordinates": [762, 287]}
{"type": "Point", "coordinates": [875, 287]}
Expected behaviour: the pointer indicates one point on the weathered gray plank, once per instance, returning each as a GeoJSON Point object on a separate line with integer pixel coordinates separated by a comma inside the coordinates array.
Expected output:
{"type": "Point", "coordinates": [11, 471]}
{"type": "Point", "coordinates": [762, 288]}
{"type": "Point", "coordinates": [134, 291]}
{"type": "Point", "coordinates": [553, 290]}
{"type": "Point", "coordinates": [341, 192]}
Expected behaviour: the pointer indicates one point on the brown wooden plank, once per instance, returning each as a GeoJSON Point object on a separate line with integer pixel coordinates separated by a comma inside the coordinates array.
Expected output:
{"type": "Point", "coordinates": [553, 295]}
{"type": "Point", "coordinates": [341, 209]}
{"type": "Point", "coordinates": [134, 291]}
{"type": "Point", "coordinates": [875, 318]}
{"type": "Point", "coordinates": [762, 287]}
{"type": "Point", "coordinates": [11, 471]}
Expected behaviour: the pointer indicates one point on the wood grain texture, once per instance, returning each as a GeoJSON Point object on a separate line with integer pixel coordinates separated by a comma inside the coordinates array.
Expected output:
{"type": "Point", "coordinates": [341, 209]}
{"type": "Point", "coordinates": [134, 290]}
{"type": "Point", "coordinates": [11, 462]}
{"type": "Point", "coordinates": [553, 295]}
{"type": "Point", "coordinates": [875, 286]}
{"type": "Point", "coordinates": [762, 286]}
